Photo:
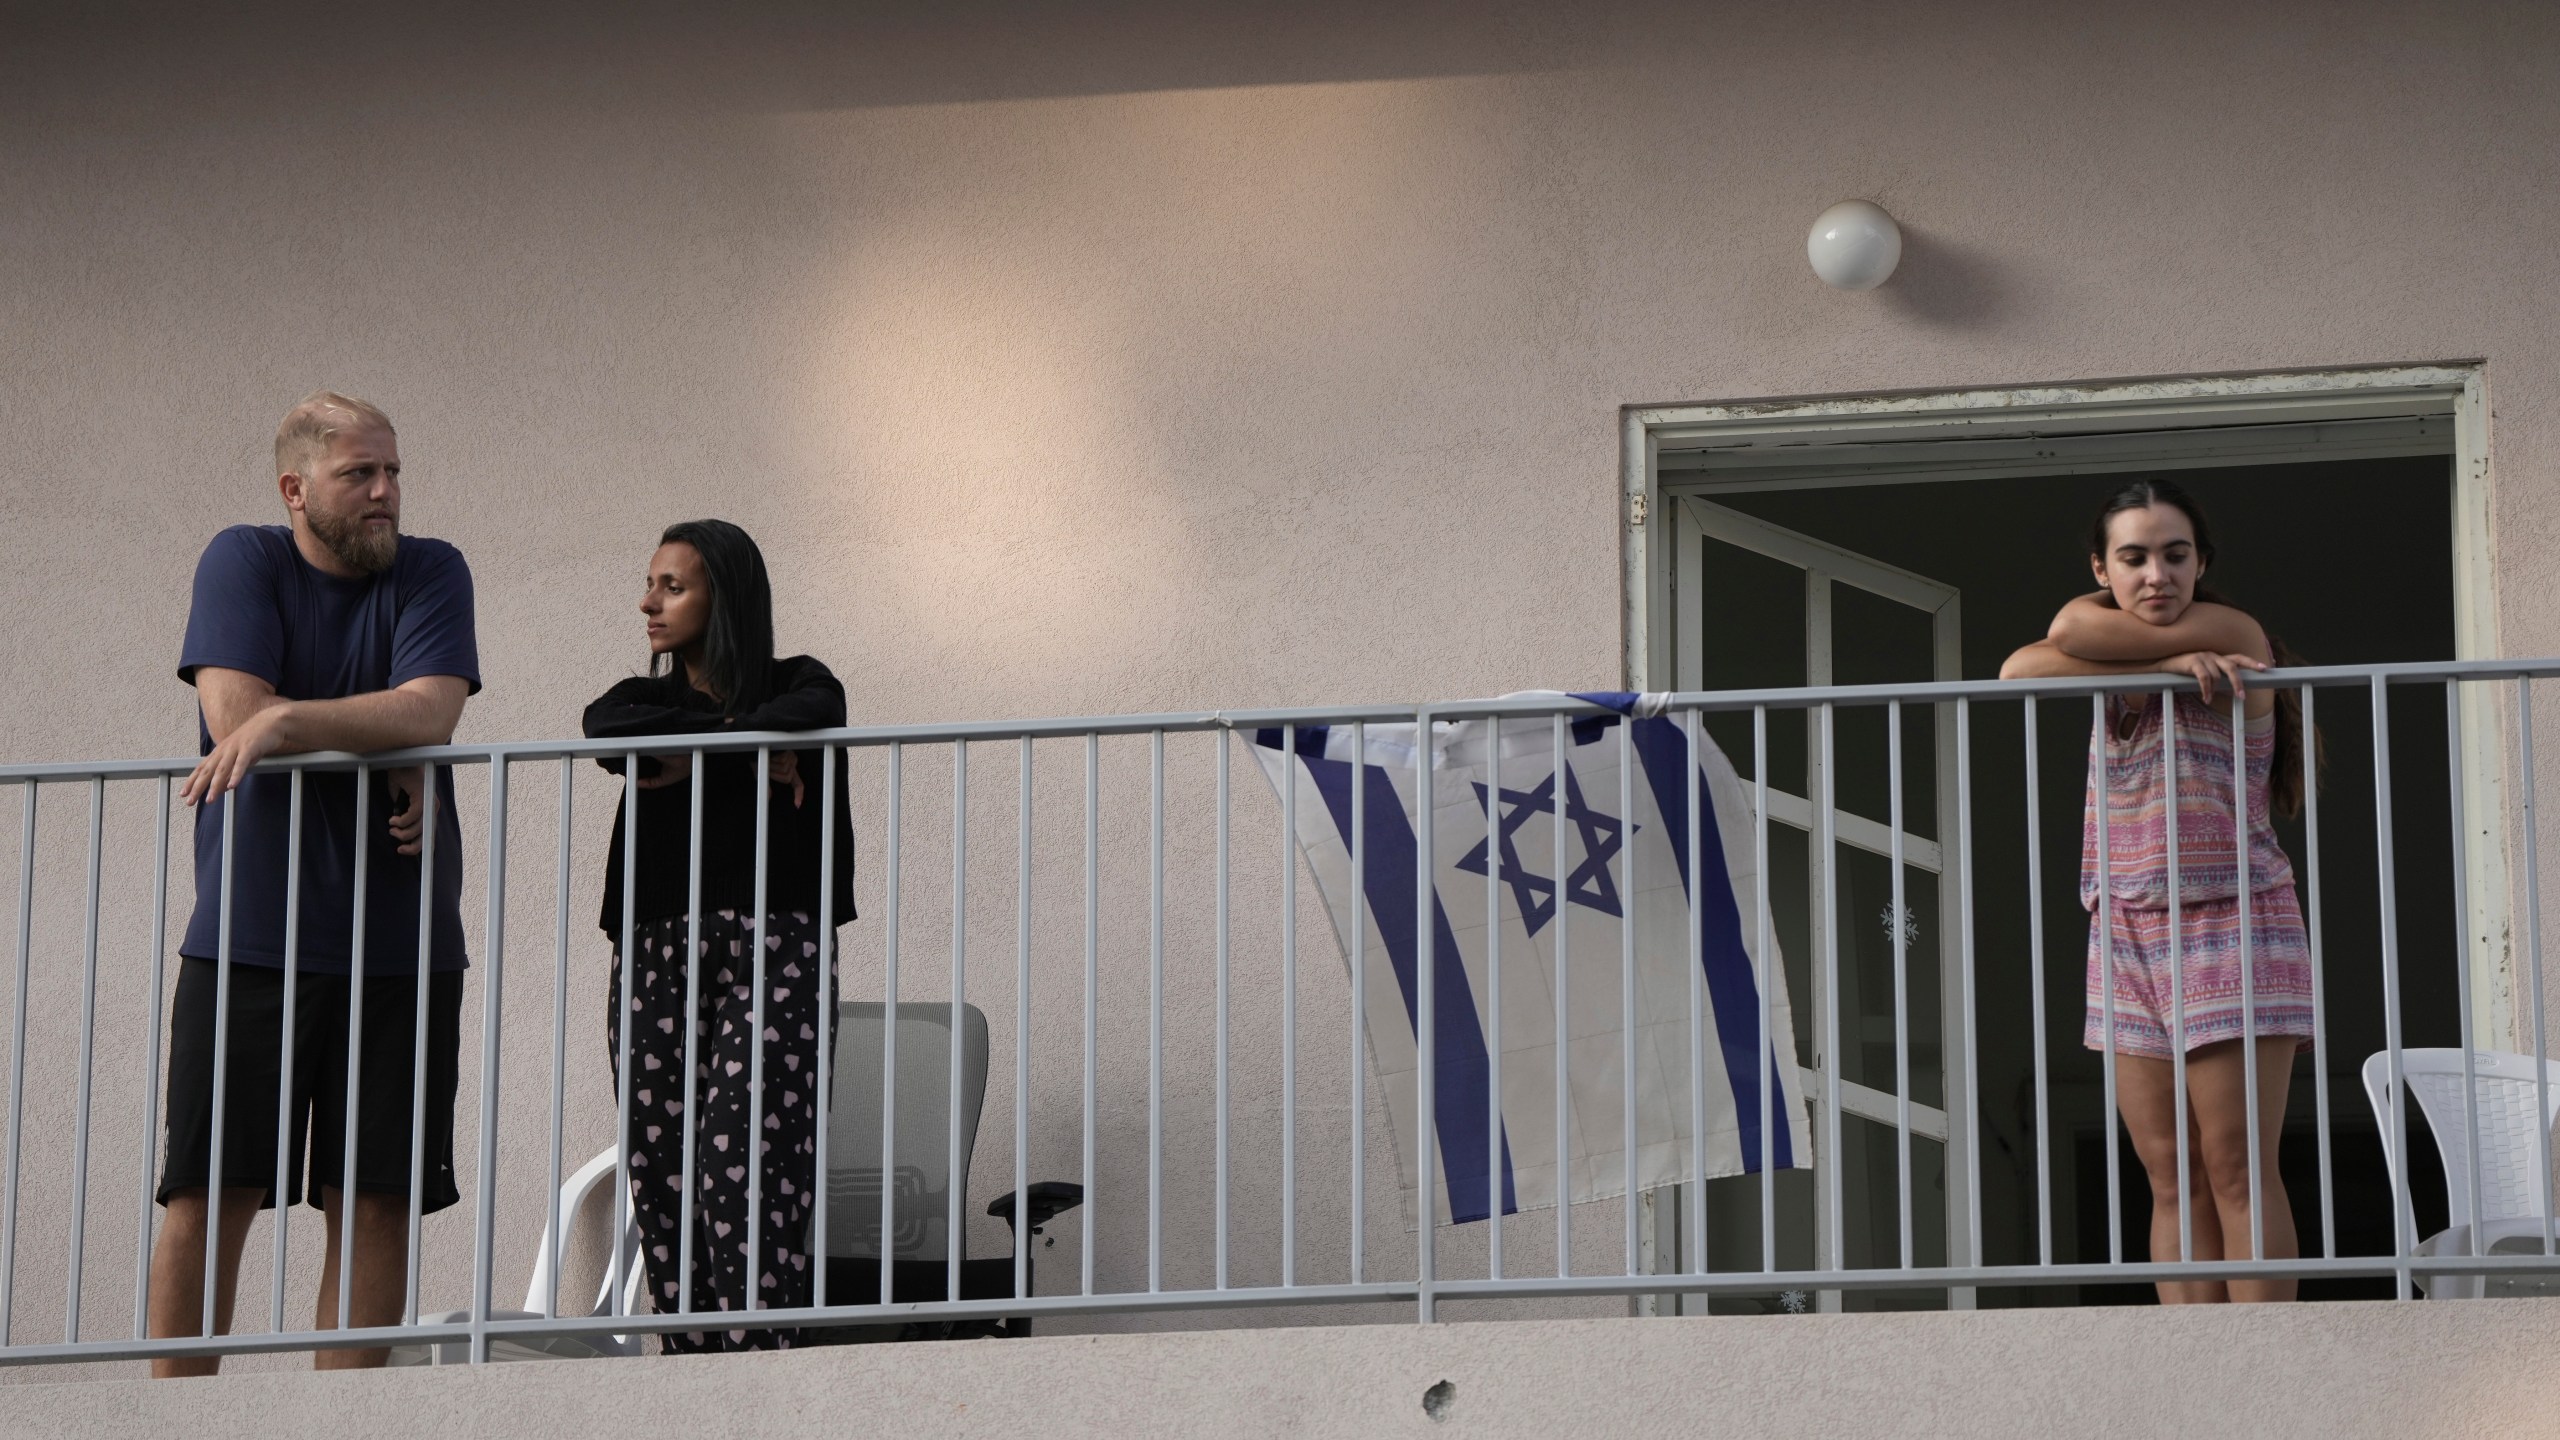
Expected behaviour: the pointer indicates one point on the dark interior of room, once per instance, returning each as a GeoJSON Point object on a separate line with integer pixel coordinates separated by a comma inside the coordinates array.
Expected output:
{"type": "Point", "coordinates": [2348, 561]}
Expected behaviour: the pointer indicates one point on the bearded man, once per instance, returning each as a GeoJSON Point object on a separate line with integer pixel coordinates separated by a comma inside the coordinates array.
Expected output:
{"type": "Point", "coordinates": [332, 632]}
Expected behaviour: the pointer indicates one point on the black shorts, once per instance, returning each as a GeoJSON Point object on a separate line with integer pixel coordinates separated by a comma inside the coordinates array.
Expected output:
{"type": "Point", "coordinates": [255, 1063]}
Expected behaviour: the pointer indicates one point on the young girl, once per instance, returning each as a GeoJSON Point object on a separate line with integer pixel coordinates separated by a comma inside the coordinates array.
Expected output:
{"type": "Point", "coordinates": [2151, 613]}
{"type": "Point", "coordinates": [709, 610]}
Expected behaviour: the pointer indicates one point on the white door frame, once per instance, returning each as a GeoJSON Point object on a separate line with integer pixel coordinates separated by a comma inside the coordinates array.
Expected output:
{"type": "Point", "coordinates": [1826, 565]}
{"type": "Point", "coordinates": [2114, 425]}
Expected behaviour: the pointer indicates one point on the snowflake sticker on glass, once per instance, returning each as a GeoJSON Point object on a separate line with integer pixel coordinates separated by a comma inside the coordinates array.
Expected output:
{"type": "Point", "coordinates": [1910, 925]}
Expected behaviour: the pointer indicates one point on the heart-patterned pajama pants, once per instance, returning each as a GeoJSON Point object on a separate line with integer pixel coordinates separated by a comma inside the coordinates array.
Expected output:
{"type": "Point", "coordinates": [798, 1001]}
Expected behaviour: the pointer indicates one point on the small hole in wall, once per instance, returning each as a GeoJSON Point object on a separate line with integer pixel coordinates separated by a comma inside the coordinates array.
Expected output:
{"type": "Point", "coordinates": [1437, 1400]}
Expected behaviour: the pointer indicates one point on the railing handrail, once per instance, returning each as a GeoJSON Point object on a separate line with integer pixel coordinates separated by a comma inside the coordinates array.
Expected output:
{"type": "Point", "coordinates": [1180, 721]}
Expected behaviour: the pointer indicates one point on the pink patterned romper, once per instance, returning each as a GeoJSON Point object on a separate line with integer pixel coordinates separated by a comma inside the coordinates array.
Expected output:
{"type": "Point", "coordinates": [2207, 928]}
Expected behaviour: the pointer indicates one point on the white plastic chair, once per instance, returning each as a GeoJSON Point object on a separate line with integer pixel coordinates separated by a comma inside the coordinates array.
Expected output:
{"type": "Point", "coordinates": [2510, 1191]}
{"type": "Point", "coordinates": [537, 1294]}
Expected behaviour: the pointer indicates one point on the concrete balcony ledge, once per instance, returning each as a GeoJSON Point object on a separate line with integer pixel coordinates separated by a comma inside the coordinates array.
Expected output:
{"type": "Point", "coordinates": [2483, 1368]}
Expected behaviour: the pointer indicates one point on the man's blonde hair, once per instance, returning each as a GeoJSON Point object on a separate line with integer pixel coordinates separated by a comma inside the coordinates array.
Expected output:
{"type": "Point", "coordinates": [304, 436]}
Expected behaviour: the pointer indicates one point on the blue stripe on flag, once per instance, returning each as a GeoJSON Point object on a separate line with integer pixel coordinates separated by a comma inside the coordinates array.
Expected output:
{"type": "Point", "coordinates": [1458, 1037]}
{"type": "Point", "coordinates": [1662, 752]}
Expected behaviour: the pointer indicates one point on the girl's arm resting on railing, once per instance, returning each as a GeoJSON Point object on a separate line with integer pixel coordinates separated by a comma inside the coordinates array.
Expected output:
{"type": "Point", "coordinates": [2046, 660]}
{"type": "Point", "coordinates": [806, 697]}
{"type": "Point", "coordinates": [2092, 629]}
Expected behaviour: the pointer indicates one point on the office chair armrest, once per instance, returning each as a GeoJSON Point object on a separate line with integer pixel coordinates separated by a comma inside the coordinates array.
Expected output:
{"type": "Point", "coordinates": [1048, 1199]}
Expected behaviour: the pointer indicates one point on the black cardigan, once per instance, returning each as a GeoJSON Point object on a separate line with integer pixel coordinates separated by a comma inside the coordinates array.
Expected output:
{"type": "Point", "coordinates": [806, 696]}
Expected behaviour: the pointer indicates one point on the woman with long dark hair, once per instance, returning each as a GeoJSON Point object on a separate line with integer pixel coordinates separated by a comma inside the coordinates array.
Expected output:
{"type": "Point", "coordinates": [2152, 613]}
{"type": "Point", "coordinates": [692, 970]}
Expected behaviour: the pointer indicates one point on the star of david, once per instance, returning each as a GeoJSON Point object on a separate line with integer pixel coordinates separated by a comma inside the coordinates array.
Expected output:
{"type": "Point", "coordinates": [1589, 886]}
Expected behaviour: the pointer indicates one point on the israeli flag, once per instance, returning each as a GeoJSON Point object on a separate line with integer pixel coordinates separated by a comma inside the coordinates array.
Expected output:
{"type": "Point", "coordinates": [1556, 918]}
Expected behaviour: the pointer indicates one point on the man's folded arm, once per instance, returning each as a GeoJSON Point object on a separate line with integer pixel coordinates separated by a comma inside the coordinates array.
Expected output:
{"type": "Point", "coordinates": [417, 712]}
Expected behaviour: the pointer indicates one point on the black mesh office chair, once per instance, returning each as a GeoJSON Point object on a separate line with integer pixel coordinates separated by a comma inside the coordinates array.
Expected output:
{"type": "Point", "coordinates": [919, 1245]}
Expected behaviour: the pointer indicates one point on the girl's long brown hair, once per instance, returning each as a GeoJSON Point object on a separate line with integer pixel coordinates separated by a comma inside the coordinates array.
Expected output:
{"type": "Point", "coordinates": [2284, 782]}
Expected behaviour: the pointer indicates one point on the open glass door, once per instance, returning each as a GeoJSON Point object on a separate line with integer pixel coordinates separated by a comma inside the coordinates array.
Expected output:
{"type": "Point", "coordinates": [1758, 606]}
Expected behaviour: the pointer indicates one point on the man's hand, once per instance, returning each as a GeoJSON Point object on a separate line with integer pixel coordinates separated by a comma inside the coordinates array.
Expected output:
{"type": "Point", "coordinates": [250, 741]}
{"type": "Point", "coordinates": [408, 806]}
{"type": "Point", "coordinates": [249, 722]}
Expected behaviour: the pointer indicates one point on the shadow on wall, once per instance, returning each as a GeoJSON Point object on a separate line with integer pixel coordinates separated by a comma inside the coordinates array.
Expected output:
{"type": "Point", "coordinates": [1947, 282]}
{"type": "Point", "coordinates": [789, 55]}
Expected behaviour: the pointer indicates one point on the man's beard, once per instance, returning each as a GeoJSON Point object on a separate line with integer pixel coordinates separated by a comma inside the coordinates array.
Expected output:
{"type": "Point", "coordinates": [358, 546]}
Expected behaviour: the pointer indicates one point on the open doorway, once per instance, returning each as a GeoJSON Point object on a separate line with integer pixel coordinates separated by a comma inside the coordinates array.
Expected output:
{"type": "Point", "coordinates": [2006, 544]}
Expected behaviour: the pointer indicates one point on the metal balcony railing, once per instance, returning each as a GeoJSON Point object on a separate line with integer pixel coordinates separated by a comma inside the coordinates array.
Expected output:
{"type": "Point", "coordinates": [1123, 1265]}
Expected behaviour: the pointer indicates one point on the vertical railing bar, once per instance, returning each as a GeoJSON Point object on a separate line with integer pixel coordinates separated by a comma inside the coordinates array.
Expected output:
{"type": "Point", "coordinates": [2035, 988]}
{"type": "Point", "coordinates": [1092, 986]}
{"type": "Point", "coordinates": [1426, 1020]}
{"type": "Point", "coordinates": [1901, 988]}
{"type": "Point", "coordinates": [1828, 829]}
{"type": "Point", "coordinates": [492, 1013]}
{"type": "Point", "coordinates": [2319, 981]}
{"type": "Point", "coordinates": [214, 1154]}
{"type": "Point", "coordinates": [2462, 952]}
{"type": "Point", "coordinates": [2533, 952]}
{"type": "Point", "coordinates": [1289, 1021]}
{"type": "Point", "coordinates": [2243, 831]}
{"type": "Point", "coordinates": [753, 1268]}
{"type": "Point", "coordinates": [1563, 926]}
{"type": "Point", "coordinates": [151, 1063]}
{"type": "Point", "coordinates": [954, 1226]}
{"type": "Point", "coordinates": [1767, 979]}
{"type": "Point", "coordinates": [1493, 995]}
{"type": "Point", "coordinates": [1224, 966]}
{"type": "Point", "coordinates": [692, 1025]}
{"type": "Point", "coordinates": [286, 1047]}
{"type": "Point", "coordinates": [624, 1222]}
{"type": "Point", "coordinates": [88, 1054]}
{"type": "Point", "coordinates": [2387, 882]}
{"type": "Point", "coordinates": [1155, 1012]}
{"type": "Point", "coordinates": [889, 1031]}
{"type": "Point", "coordinates": [1964, 942]}
{"type": "Point", "coordinates": [355, 1059]}
{"type": "Point", "coordinates": [2103, 799]}
{"type": "Point", "coordinates": [1627, 978]}
{"type": "Point", "coordinates": [560, 1048]}
{"type": "Point", "coordinates": [1022, 1044]}
{"type": "Point", "coordinates": [1359, 1002]}
{"type": "Point", "coordinates": [418, 1049]}
{"type": "Point", "coordinates": [1695, 784]}
{"type": "Point", "coordinates": [16, 1062]}
{"type": "Point", "coordinates": [822, 1194]}
{"type": "Point", "coordinates": [2177, 982]}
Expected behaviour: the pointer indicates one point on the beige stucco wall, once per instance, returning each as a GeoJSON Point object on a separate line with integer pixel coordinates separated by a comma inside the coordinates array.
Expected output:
{"type": "Point", "coordinates": [2415, 1372]}
{"type": "Point", "coordinates": [1108, 358]}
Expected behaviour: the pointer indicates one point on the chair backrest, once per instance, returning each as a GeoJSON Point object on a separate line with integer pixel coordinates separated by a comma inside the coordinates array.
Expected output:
{"type": "Point", "coordinates": [2507, 1103]}
{"type": "Point", "coordinates": [922, 1176]}
{"type": "Point", "coordinates": [598, 1171]}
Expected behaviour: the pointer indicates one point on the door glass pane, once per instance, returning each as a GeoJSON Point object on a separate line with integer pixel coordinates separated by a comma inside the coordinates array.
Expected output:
{"type": "Point", "coordinates": [1791, 922]}
{"type": "Point", "coordinates": [1866, 975]}
{"type": "Point", "coordinates": [1871, 1223]}
{"type": "Point", "coordinates": [1876, 641]}
{"type": "Point", "coordinates": [1749, 614]}
{"type": "Point", "coordinates": [1733, 1242]}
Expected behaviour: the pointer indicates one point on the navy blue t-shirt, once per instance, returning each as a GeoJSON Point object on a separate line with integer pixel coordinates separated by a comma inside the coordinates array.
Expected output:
{"type": "Point", "coordinates": [262, 609]}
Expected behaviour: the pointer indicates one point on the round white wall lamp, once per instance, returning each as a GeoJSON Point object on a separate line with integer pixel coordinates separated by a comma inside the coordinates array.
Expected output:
{"type": "Point", "coordinates": [1854, 245]}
